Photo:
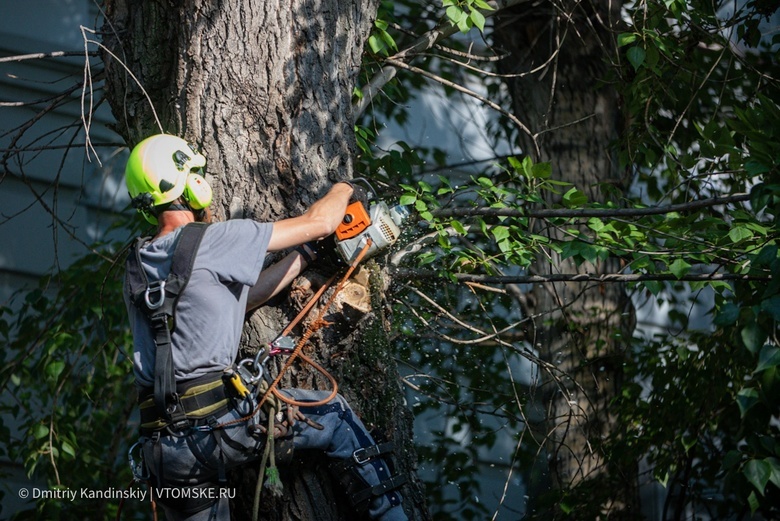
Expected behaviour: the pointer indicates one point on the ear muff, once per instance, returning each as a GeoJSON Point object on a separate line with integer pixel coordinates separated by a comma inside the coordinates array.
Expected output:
{"type": "Point", "coordinates": [197, 192]}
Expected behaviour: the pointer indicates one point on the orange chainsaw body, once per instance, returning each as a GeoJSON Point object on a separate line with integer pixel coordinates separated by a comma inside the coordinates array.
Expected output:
{"type": "Point", "coordinates": [355, 221]}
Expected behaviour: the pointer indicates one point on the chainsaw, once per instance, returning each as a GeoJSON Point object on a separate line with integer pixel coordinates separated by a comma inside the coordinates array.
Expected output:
{"type": "Point", "coordinates": [377, 225]}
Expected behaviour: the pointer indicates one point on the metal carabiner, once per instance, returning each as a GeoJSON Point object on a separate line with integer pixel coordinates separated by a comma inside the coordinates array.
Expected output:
{"type": "Point", "coordinates": [254, 375]}
{"type": "Point", "coordinates": [140, 470]}
{"type": "Point", "coordinates": [283, 343]}
{"type": "Point", "coordinates": [155, 286]}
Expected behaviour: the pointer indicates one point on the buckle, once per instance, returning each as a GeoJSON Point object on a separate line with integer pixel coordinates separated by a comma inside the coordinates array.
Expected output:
{"type": "Point", "coordinates": [361, 456]}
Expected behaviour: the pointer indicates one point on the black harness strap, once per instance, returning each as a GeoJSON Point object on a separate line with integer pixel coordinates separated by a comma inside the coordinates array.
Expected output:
{"type": "Point", "coordinates": [157, 300]}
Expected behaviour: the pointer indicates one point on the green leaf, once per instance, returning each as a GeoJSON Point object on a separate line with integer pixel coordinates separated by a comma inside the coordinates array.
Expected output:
{"type": "Point", "coordinates": [758, 473]}
{"type": "Point", "coordinates": [426, 258]}
{"type": "Point", "coordinates": [541, 170]}
{"type": "Point", "coordinates": [458, 227]}
{"type": "Point", "coordinates": [739, 233]}
{"type": "Point", "coordinates": [753, 502]}
{"type": "Point", "coordinates": [388, 39]}
{"type": "Point", "coordinates": [772, 307]}
{"type": "Point", "coordinates": [774, 464]}
{"type": "Point", "coordinates": [407, 199]}
{"type": "Point", "coordinates": [654, 286]}
{"type": "Point", "coordinates": [500, 232]}
{"type": "Point", "coordinates": [454, 13]}
{"type": "Point", "coordinates": [574, 198]}
{"type": "Point", "coordinates": [767, 254]}
{"type": "Point", "coordinates": [68, 449]}
{"type": "Point", "coordinates": [755, 168]}
{"type": "Point", "coordinates": [727, 315]}
{"type": "Point", "coordinates": [731, 459]}
{"type": "Point", "coordinates": [768, 358]}
{"type": "Point", "coordinates": [662, 478]}
{"type": "Point", "coordinates": [376, 44]}
{"type": "Point", "coordinates": [463, 24]}
{"type": "Point", "coordinates": [753, 336]}
{"type": "Point", "coordinates": [54, 369]}
{"type": "Point", "coordinates": [679, 268]}
{"type": "Point", "coordinates": [485, 182]}
{"type": "Point", "coordinates": [636, 57]}
{"type": "Point", "coordinates": [746, 398]}
{"type": "Point", "coordinates": [478, 19]}
{"type": "Point", "coordinates": [40, 431]}
{"type": "Point", "coordinates": [626, 38]}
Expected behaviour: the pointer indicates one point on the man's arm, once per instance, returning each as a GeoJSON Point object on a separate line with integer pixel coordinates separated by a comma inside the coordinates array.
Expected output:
{"type": "Point", "coordinates": [276, 277]}
{"type": "Point", "coordinates": [320, 220]}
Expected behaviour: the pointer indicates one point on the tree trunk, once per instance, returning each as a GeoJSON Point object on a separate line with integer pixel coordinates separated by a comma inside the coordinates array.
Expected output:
{"type": "Point", "coordinates": [584, 328]}
{"type": "Point", "coordinates": [264, 89]}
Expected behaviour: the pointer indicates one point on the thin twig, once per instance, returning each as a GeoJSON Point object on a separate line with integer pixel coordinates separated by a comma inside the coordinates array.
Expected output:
{"type": "Point", "coordinates": [464, 90]}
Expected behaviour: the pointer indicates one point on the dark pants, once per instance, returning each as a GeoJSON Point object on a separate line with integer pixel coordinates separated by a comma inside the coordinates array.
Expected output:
{"type": "Point", "coordinates": [197, 458]}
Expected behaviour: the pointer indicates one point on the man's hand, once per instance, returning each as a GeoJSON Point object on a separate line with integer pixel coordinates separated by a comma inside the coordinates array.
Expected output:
{"type": "Point", "coordinates": [359, 194]}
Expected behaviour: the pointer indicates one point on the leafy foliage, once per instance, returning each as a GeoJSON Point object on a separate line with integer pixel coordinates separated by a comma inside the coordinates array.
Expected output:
{"type": "Point", "coordinates": [66, 381]}
{"type": "Point", "coordinates": [700, 93]}
{"type": "Point", "coordinates": [702, 124]}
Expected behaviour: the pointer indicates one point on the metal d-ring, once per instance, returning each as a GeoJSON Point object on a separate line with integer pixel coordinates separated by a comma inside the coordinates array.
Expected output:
{"type": "Point", "coordinates": [155, 286]}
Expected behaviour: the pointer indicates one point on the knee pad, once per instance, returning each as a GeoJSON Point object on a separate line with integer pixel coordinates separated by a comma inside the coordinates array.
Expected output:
{"type": "Point", "coordinates": [360, 492]}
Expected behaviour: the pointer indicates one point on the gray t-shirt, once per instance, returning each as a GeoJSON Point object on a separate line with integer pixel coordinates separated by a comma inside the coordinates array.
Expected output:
{"type": "Point", "coordinates": [210, 312]}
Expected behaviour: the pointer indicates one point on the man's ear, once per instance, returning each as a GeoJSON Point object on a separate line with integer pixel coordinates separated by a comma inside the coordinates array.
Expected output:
{"type": "Point", "coordinates": [204, 215]}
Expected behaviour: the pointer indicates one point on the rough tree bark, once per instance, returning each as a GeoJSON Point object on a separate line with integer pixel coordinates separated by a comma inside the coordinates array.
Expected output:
{"type": "Point", "coordinates": [584, 326]}
{"type": "Point", "coordinates": [264, 89]}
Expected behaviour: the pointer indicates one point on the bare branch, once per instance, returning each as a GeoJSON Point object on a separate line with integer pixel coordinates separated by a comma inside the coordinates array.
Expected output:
{"type": "Point", "coordinates": [461, 88]}
{"type": "Point", "coordinates": [373, 88]}
{"type": "Point", "coordinates": [547, 213]}
{"type": "Point", "coordinates": [42, 55]}
{"type": "Point", "coordinates": [410, 273]}
{"type": "Point", "coordinates": [422, 44]}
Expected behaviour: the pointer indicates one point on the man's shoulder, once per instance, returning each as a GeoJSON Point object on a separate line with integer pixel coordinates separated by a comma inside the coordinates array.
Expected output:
{"type": "Point", "coordinates": [240, 226]}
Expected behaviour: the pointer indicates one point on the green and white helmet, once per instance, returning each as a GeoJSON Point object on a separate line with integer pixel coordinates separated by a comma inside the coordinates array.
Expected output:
{"type": "Point", "coordinates": [162, 168]}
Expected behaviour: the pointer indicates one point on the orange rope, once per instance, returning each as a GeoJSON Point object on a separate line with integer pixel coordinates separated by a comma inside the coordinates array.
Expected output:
{"type": "Point", "coordinates": [316, 324]}
{"type": "Point", "coordinates": [333, 383]}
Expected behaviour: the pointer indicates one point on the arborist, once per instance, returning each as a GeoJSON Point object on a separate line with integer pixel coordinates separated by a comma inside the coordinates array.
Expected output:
{"type": "Point", "coordinates": [187, 291]}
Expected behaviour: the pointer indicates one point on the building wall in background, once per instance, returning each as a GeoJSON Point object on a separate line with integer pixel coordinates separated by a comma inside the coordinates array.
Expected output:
{"type": "Point", "coordinates": [53, 201]}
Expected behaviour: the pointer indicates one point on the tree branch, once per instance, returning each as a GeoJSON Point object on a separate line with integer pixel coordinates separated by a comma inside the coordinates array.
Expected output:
{"type": "Point", "coordinates": [409, 273]}
{"type": "Point", "coordinates": [42, 55]}
{"type": "Point", "coordinates": [421, 44]}
{"type": "Point", "coordinates": [590, 212]}
{"type": "Point", "coordinates": [460, 88]}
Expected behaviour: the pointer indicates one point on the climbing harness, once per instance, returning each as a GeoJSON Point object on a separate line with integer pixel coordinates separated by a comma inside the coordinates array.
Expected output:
{"type": "Point", "coordinates": [195, 405]}
{"type": "Point", "coordinates": [157, 301]}
{"type": "Point", "coordinates": [317, 323]}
